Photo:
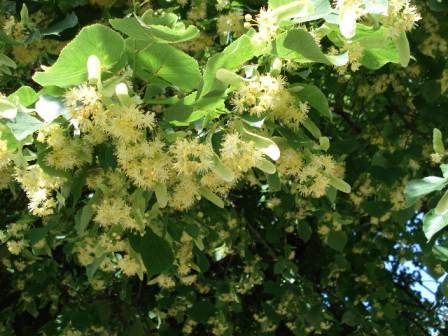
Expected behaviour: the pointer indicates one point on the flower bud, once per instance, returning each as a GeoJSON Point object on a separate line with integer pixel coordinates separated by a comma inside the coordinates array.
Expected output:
{"type": "Point", "coordinates": [276, 67]}
{"type": "Point", "coordinates": [229, 77]}
{"type": "Point", "coordinates": [121, 90]}
{"type": "Point", "coordinates": [94, 69]}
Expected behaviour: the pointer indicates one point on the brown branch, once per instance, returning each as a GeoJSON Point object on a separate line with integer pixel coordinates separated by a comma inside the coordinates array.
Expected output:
{"type": "Point", "coordinates": [258, 236]}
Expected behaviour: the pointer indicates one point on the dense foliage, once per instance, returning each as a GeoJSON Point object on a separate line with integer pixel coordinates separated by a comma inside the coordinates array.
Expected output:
{"type": "Point", "coordinates": [222, 168]}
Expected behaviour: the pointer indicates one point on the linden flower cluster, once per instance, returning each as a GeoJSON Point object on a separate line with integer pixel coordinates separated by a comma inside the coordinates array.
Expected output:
{"type": "Point", "coordinates": [197, 45]}
{"type": "Point", "coordinates": [239, 155]}
{"type": "Point", "coordinates": [267, 95]}
{"type": "Point", "coordinates": [401, 17]}
{"type": "Point", "coordinates": [115, 211]}
{"type": "Point", "coordinates": [267, 25]}
{"type": "Point", "coordinates": [182, 168]}
{"type": "Point", "coordinates": [198, 11]}
{"type": "Point", "coordinates": [221, 4]}
{"type": "Point", "coordinates": [190, 156]}
{"type": "Point", "coordinates": [114, 180]}
{"type": "Point", "coordinates": [6, 166]}
{"type": "Point", "coordinates": [66, 153]}
{"type": "Point", "coordinates": [126, 123]}
{"type": "Point", "coordinates": [90, 247]}
{"type": "Point", "coordinates": [231, 22]}
{"type": "Point", "coordinates": [83, 102]}
{"type": "Point", "coordinates": [146, 163]}
{"type": "Point", "coordinates": [130, 266]}
{"type": "Point", "coordinates": [14, 29]}
{"type": "Point", "coordinates": [355, 53]}
{"type": "Point", "coordinates": [39, 188]}
{"type": "Point", "coordinates": [28, 54]}
{"type": "Point", "coordinates": [311, 176]}
{"type": "Point", "coordinates": [86, 251]}
{"type": "Point", "coordinates": [349, 12]}
{"type": "Point", "coordinates": [184, 258]}
{"type": "Point", "coordinates": [435, 43]}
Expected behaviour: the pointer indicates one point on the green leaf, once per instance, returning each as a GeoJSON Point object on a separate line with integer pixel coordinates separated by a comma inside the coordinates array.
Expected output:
{"type": "Point", "coordinates": [304, 231]}
{"type": "Point", "coordinates": [302, 42]}
{"type": "Point", "coordinates": [337, 240]}
{"type": "Point", "coordinates": [106, 155]}
{"type": "Point", "coordinates": [25, 96]}
{"type": "Point", "coordinates": [311, 127]}
{"type": "Point", "coordinates": [35, 234]}
{"type": "Point", "coordinates": [85, 218]}
{"type": "Point", "coordinates": [222, 170]}
{"type": "Point", "coordinates": [7, 135]}
{"type": "Point", "coordinates": [231, 58]}
{"type": "Point", "coordinates": [165, 19]}
{"type": "Point", "coordinates": [5, 38]}
{"type": "Point", "coordinates": [292, 10]}
{"type": "Point", "coordinates": [24, 15]}
{"type": "Point", "coordinates": [201, 310]}
{"type": "Point", "coordinates": [93, 267]}
{"type": "Point", "coordinates": [321, 9]}
{"type": "Point", "coordinates": [278, 49]}
{"type": "Point", "coordinates": [139, 200]}
{"type": "Point", "coordinates": [375, 208]}
{"type": "Point", "coordinates": [339, 184]}
{"type": "Point", "coordinates": [24, 125]}
{"type": "Point", "coordinates": [437, 141]}
{"type": "Point", "coordinates": [404, 51]}
{"type": "Point", "coordinates": [440, 252]}
{"type": "Point", "coordinates": [229, 77]}
{"type": "Point", "coordinates": [139, 30]}
{"type": "Point", "coordinates": [274, 182]}
{"type": "Point", "coordinates": [131, 27]}
{"type": "Point", "coordinates": [161, 194]}
{"type": "Point", "coordinates": [418, 188]}
{"type": "Point", "coordinates": [444, 169]}
{"type": "Point", "coordinates": [378, 47]}
{"type": "Point", "coordinates": [205, 192]}
{"type": "Point", "coordinates": [53, 91]}
{"type": "Point", "coordinates": [314, 96]}
{"type": "Point", "coordinates": [49, 108]}
{"type": "Point", "coordinates": [331, 194]}
{"type": "Point", "coordinates": [442, 205]}
{"type": "Point", "coordinates": [169, 63]}
{"type": "Point", "coordinates": [71, 66]}
{"type": "Point", "coordinates": [8, 110]}
{"type": "Point", "coordinates": [266, 166]}
{"type": "Point", "coordinates": [324, 143]}
{"type": "Point", "coordinates": [187, 110]}
{"type": "Point", "coordinates": [433, 223]}
{"type": "Point", "coordinates": [273, 4]}
{"type": "Point", "coordinates": [6, 61]}
{"type": "Point", "coordinates": [265, 145]}
{"type": "Point", "coordinates": [70, 21]}
{"type": "Point", "coordinates": [156, 253]}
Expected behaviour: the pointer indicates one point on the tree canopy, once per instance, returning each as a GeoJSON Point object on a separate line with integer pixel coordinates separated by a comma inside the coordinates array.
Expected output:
{"type": "Point", "coordinates": [196, 167]}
